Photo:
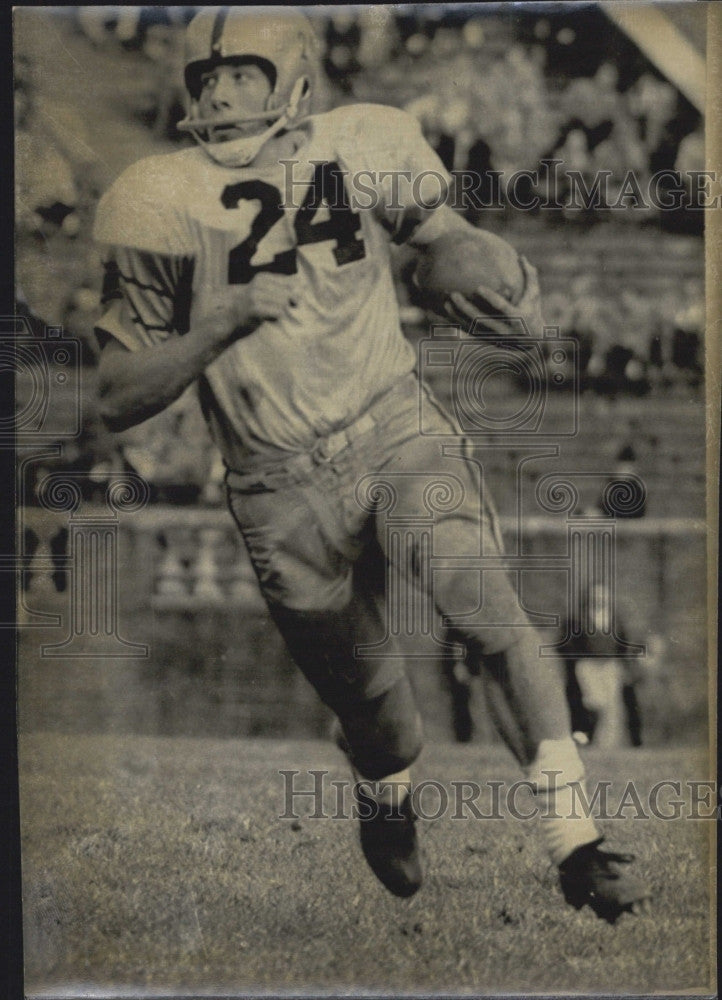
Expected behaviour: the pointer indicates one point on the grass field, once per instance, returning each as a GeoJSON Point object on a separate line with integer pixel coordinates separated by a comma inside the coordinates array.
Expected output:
{"type": "Point", "coordinates": [162, 865]}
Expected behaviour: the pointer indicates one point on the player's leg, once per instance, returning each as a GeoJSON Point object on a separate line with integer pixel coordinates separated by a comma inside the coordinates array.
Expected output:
{"type": "Point", "coordinates": [380, 726]}
{"type": "Point", "coordinates": [526, 696]}
{"type": "Point", "coordinates": [325, 604]}
{"type": "Point", "coordinates": [383, 734]}
{"type": "Point", "coordinates": [381, 739]}
{"type": "Point", "coordinates": [526, 690]}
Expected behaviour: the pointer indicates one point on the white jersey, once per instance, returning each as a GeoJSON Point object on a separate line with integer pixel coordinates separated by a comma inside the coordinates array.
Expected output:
{"type": "Point", "coordinates": [179, 226]}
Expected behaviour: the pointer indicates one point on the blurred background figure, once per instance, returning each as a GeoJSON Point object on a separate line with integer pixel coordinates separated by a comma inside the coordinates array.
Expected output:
{"type": "Point", "coordinates": [688, 332]}
{"type": "Point", "coordinates": [100, 25]}
{"type": "Point", "coordinates": [458, 680]}
{"type": "Point", "coordinates": [602, 678]}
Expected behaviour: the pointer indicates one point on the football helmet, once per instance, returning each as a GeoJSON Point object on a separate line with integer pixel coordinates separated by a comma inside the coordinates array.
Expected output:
{"type": "Point", "coordinates": [282, 43]}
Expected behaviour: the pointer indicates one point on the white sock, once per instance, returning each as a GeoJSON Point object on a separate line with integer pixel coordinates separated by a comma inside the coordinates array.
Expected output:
{"type": "Point", "coordinates": [557, 774]}
{"type": "Point", "coordinates": [388, 791]}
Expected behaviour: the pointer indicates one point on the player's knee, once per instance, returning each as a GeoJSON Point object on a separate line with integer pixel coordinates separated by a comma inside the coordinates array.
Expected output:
{"type": "Point", "coordinates": [375, 763]}
{"type": "Point", "coordinates": [405, 746]}
{"type": "Point", "coordinates": [385, 734]}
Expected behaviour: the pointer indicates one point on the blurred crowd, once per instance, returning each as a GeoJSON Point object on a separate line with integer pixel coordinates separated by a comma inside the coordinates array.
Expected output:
{"type": "Point", "coordinates": [503, 93]}
{"type": "Point", "coordinates": [491, 93]}
{"type": "Point", "coordinates": [633, 343]}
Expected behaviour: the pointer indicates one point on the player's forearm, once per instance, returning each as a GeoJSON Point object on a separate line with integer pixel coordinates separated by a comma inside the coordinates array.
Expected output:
{"type": "Point", "coordinates": [136, 385]}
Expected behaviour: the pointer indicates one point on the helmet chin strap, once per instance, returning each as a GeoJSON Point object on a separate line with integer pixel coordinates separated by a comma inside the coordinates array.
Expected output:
{"type": "Point", "coordinates": [243, 150]}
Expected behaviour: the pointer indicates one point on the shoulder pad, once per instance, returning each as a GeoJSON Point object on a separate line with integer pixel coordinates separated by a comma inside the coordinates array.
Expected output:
{"type": "Point", "coordinates": [144, 208]}
{"type": "Point", "coordinates": [375, 125]}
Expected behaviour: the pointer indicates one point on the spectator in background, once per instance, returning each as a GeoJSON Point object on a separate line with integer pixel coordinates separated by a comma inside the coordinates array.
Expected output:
{"type": "Point", "coordinates": [620, 152]}
{"type": "Point", "coordinates": [593, 321]}
{"type": "Point", "coordinates": [602, 677]}
{"type": "Point", "coordinates": [637, 323]}
{"type": "Point", "coordinates": [592, 105]}
{"type": "Point", "coordinates": [163, 47]}
{"type": "Point", "coordinates": [690, 155]}
{"type": "Point", "coordinates": [575, 156]}
{"type": "Point", "coordinates": [676, 336]}
{"type": "Point", "coordinates": [690, 158]}
{"type": "Point", "coordinates": [444, 120]}
{"type": "Point", "coordinates": [102, 24]}
{"type": "Point", "coordinates": [510, 113]}
{"type": "Point", "coordinates": [57, 179]}
{"type": "Point", "coordinates": [687, 335]}
{"type": "Point", "coordinates": [615, 345]}
{"type": "Point", "coordinates": [528, 122]}
{"type": "Point", "coordinates": [652, 104]}
{"type": "Point", "coordinates": [49, 143]}
{"type": "Point", "coordinates": [343, 38]}
{"type": "Point", "coordinates": [379, 37]}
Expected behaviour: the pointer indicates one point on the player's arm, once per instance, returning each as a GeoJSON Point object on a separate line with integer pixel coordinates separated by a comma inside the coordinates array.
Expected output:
{"type": "Point", "coordinates": [444, 221]}
{"type": "Point", "coordinates": [138, 378]}
{"type": "Point", "coordinates": [416, 213]}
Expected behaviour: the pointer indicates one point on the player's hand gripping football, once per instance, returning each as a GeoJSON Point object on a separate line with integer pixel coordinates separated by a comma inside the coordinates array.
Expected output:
{"type": "Point", "coordinates": [236, 311]}
{"type": "Point", "coordinates": [496, 313]}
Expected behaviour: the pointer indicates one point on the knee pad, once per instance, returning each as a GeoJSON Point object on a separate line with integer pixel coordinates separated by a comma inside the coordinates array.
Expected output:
{"type": "Point", "coordinates": [384, 734]}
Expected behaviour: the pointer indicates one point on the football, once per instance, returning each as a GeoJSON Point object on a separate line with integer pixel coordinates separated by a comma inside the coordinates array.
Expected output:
{"type": "Point", "coordinates": [462, 261]}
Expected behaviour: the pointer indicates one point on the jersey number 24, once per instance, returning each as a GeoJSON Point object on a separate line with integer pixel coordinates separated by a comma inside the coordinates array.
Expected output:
{"type": "Point", "coordinates": [342, 225]}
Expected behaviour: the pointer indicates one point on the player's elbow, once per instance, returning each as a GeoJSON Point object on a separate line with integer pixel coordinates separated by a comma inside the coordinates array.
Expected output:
{"type": "Point", "coordinates": [114, 405]}
{"type": "Point", "coordinates": [110, 408]}
{"type": "Point", "coordinates": [112, 389]}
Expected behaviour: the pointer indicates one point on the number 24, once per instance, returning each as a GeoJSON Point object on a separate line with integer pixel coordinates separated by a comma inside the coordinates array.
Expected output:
{"type": "Point", "coordinates": [342, 225]}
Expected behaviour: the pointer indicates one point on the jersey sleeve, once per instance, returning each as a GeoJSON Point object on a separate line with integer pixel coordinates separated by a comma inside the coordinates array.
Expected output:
{"type": "Point", "coordinates": [146, 297]}
{"type": "Point", "coordinates": [147, 260]}
{"type": "Point", "coordinates": [390, 155]}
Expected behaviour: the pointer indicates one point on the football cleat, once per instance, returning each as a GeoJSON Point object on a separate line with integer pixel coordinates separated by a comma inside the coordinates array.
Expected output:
{"type": "Point", "coordinates": [602, 881]}
{"type": "Point", "coordinates": [388, 834]}
{"type": "Point", "coordinates": [389, 843]}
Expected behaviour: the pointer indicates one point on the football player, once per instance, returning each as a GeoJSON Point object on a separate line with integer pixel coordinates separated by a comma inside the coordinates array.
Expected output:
{"type": "Point", "coordinates": [273, 291]}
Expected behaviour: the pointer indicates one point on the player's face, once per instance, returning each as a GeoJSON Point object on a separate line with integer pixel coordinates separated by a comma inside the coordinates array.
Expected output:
{"type": "Point", "coordinates": [228, 92]}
